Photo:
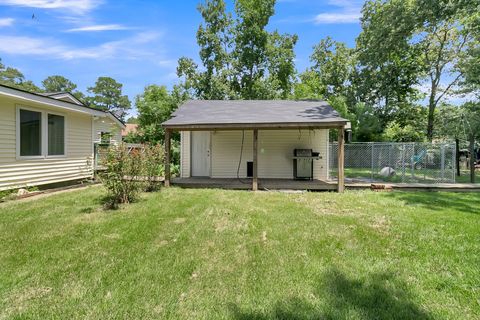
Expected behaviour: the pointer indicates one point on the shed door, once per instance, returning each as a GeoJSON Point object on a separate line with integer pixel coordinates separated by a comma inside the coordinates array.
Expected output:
{"type": "Point", "coordinates": [200, 153]}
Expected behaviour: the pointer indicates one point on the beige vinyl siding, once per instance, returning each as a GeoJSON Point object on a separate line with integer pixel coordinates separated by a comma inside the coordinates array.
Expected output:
{"type": "Point", "coordinates": [105, 124]}
{"type": "Point", "coordinates": [275, 152]}
{"type": "Point", "coordinates": [76, 164]}
{"type": "Point", "coordinates": [185, 154]}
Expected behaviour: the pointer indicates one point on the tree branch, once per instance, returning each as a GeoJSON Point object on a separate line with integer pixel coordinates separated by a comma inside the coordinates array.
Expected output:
{"type": "Point", "coordinates": [449, 87]}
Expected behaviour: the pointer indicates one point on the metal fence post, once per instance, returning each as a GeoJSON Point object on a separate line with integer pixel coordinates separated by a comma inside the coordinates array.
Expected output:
{"type": "Point", "coordinates": [455, 166]}
{"type": "Point", "coordinates": [371, 161]}
{"type": "Point", "coordinates": [442, 160]}
{"type": "Point", "coordinates": [412, 160]}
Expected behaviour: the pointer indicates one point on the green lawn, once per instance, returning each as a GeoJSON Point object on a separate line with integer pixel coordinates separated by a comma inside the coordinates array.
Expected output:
{"type": "Point", "coordinates": [210, 254]}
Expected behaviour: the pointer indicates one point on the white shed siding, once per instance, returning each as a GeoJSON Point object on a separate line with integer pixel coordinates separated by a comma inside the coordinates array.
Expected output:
{"type": "Point", "coordinates": [185, 154]}
{"type": "Point", "coordinates": [225, 153]}
{"type": "Point", "coordinates": [105, 124]}
{"type": "Point", "coordinates": [77, 164]}
{"type": "Point", "coordinates": [275, 152]}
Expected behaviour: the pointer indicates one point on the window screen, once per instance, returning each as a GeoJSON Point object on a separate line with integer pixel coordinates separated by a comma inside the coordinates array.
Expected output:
{"type": "Point", "coordinates": [56, 135]}
{"type": "Point", "coordinates": [30, 133]}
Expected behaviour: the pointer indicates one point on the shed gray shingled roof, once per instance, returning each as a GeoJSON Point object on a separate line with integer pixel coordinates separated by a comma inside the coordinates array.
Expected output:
{"type": "Point", "coordinates": [251, 113]}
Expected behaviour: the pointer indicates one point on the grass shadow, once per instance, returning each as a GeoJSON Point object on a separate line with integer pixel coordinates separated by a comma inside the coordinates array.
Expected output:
{"type": "Point", "coordinates": [464, 202]}
{"type": "Point", "coordinates": [377, 296]}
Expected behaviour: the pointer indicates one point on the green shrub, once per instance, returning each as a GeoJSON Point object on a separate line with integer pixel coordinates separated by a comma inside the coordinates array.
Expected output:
{"type": "Point", "coordinates": [122, 175]}
{"type": "Point", "coordinates": [153, 168]}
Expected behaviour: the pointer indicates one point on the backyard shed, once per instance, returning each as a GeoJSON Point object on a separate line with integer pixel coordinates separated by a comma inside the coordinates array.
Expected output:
{"type": "Point", "coordinates": [272, 143]}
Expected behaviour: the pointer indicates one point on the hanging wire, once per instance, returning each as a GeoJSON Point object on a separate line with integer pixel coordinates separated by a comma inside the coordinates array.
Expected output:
{"type": "Point", "coordinates": [240, 159]}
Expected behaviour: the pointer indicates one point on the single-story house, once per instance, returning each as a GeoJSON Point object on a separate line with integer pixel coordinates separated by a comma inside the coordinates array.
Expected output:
{"type": "Point", "coordinates": [49, 138]}
{"type": "Point", "coordinates": [276, 144]}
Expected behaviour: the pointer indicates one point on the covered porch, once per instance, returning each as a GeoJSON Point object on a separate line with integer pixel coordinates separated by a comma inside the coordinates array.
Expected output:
{"type": "Point", "coordinates": [255, 182]}
{"type": "Point", "coordinates": [283, 127]}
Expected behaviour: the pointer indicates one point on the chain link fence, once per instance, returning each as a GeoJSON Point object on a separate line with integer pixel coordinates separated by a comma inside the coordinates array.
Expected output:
{"type": "Point", "coordinates": [396, 162]}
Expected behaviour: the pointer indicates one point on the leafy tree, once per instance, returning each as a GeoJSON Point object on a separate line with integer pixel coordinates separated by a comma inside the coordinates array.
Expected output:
{"type": "Point", "coordinates": [450, 122]}
{"type": "Point", "coordinates": [389, 66]}
{"type": "Point", "coordinates": [155, 105]}
{"type": "Point", "coordinates": [13, 77]}
{"type": "Point", "coordinates": [470, 65]}
{"type": "Point", "coordinates": [406, 43]}
{"type": "Point", "coordinates": [132, 120]}
{"type": "Point", "coordinates": [459, 122]}
{"type": "Point", "coordinates": [214, 36]}
{"type": "Point", "coordinates": [240, 58]}
{"type": "Point", "coordinates": [398, 133]}
{"type": "Point", "coordinates": [281, 67]}
{"type": "Point", "coordinates": [107, 95]}
{"type": "Point", "coordinates": [58, 84]}
{"type": "Point", "coordinates": [368, 126]}
{"type": "Point", "coordinates": [309, 86]}
{"type": "Point", "coordinates": [471, 114]}
{"type": "Point", "coordinates": [334, 65]}
{"type": "Point", "coordinates": [251, 41]}
{"type": "Point", "coordinates": [444, 48]}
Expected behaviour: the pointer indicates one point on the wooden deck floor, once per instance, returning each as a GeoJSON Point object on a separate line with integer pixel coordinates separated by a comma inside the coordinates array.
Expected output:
{"type": "Point", "coordinates": [246, 184]}
{"type": "Point", "coordinates": [290, 184]}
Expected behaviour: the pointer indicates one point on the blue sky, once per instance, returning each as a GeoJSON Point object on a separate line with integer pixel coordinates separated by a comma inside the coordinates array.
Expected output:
{"type": "Point", "coordinates": [139, 42]}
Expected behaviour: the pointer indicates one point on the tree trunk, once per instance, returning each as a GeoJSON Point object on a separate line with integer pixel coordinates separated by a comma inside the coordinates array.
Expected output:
{"type": "Point", "coordinates": [431, 113]}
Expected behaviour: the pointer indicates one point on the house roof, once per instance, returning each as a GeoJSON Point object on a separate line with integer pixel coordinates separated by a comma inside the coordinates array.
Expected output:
{"type": "Point", "coordinates": [129, 128]}
{"type": "Point", "coordinates": [55, 100]}
{"type": "Point", "coordinates": [65, 96]}
{"type": "Point", "coordinates": [247, 114]}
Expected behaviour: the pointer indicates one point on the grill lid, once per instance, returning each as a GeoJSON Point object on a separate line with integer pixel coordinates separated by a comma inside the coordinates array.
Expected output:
{"type": "Point", "coordinates": [303, 152]}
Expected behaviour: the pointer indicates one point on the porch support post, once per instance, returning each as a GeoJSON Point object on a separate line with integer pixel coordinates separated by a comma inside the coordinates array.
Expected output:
{"type": "Point", "coordinates": [255, 160]}
{"type": "Point", "coordinates": [341, 159]}
{"type": "Point", "coordinates": [167, 157]}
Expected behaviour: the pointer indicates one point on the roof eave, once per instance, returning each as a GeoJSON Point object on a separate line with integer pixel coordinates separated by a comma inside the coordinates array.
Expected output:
{"type": "Point", "coordinates": [116, 120]}
{"type": "Point", "coordinates": [52, 102]}
{"type": "Point", "coordinates": [250, 126]}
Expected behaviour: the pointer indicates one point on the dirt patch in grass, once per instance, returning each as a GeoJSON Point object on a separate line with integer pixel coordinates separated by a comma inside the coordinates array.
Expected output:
{"type": "Point", "coordinates": [19, 300]}
{"type": "Point", "coordinates": [381, 224]}
{"type": "Point", "coordinates": [179, 220]}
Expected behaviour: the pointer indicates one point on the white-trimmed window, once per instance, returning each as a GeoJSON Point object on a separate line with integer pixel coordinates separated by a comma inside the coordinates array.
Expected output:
{"type": "Point", "coordinates": [30, 139]}
{"type": "Point", "coordinates": [105, 137]}
{"type": "Point", "coordinates": [40, 133]}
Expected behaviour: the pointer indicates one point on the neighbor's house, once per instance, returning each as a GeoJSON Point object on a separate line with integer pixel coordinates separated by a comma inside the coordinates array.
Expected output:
{"type": "Point", "coordinates": [130, 128]}
{"type": "Point", "coordinates": [49, 138]}
{"type": "Point", "coordinates": [272, 143]}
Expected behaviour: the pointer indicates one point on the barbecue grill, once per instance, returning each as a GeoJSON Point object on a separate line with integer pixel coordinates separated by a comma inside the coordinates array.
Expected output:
{"type": "Point", "coordinates": [303, 163]}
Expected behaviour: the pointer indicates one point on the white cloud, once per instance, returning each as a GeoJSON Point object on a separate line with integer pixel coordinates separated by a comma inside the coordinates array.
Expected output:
{"type": "Point", "coordinates": [349, 12]}
{"type": "Point", "coordinates": [6, 22]}
{"type": "Point", "coordinates": [340, 17]}
{"type": "Point", "coordinates": [129, 48]}
{"type": "Point", "coordinates": [77, 6]}
{"type": "Point", "coordinates": [99, 27]}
